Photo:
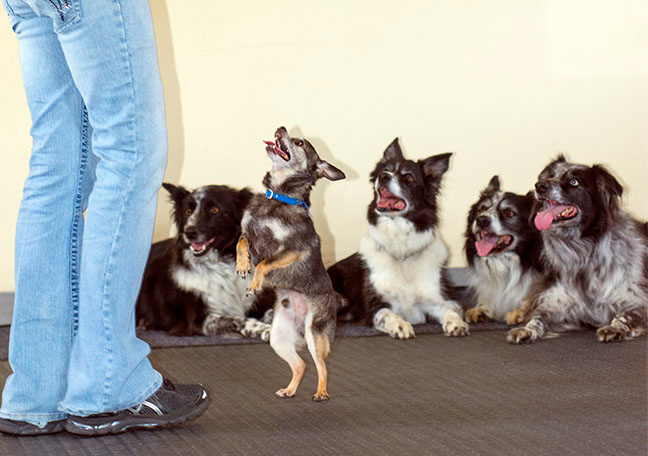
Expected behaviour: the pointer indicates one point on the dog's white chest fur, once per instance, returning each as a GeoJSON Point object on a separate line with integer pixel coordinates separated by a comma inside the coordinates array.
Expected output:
{"type": "Point", "coordinates": [215, 280]}
{"type": "Point", "coordinates": [500, 283]}
{"type": "Point", "coordinates": [405, 267]}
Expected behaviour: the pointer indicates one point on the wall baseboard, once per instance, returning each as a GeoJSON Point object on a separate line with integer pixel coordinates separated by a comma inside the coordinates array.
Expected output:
{"type": "Point", "coordinates": [6, 308]}
{"type": "Point", "coordinates": [457, 275]}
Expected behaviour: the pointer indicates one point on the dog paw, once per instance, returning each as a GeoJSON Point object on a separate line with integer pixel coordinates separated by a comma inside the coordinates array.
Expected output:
{"type": "Point", "coordinates": [521, 335]}
{"type": "Point", "coordinates": [611, 333]}
{"type": "Point", "coordinates": [478, 315]}
{"type": "Point", "coordinates": [320, 396]}
{"type": "Point", "coordinates": [400, 329]}
{"type": "Point", "coordinates": [243, 267]}
{"type": "Point", "coordinates": [256, 329]}
{"type": "Point", "coordinates": [456, 328]}
{"type": "Point", "coordinates": [285, 393]}
{"type": "Point", "coordinates": [515, 317]}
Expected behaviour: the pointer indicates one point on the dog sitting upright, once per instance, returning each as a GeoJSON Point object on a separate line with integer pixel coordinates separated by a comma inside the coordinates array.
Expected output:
{"type": "Point", "coordinates": [397, 278]}
{"type": "Point", "coordinates": [503, 253]}
{"type": "Point", "coordinates": [279, 238]}
{"type": "Point", "coordinates": [596, 257]}
{"type": "Point", "coordinates": [190, 286]}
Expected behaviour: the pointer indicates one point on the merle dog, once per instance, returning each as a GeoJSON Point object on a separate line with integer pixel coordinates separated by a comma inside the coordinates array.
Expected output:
{"type": "Point", "coordinates": [397, 278]}
{"type": "Point", "coordinates": [596, 256]}
{"type": "Point", "coordinates": [503, 252]}
{"type": "Point", "coordinates": [190, 285]}
{"type": "Point", "coordinates": [279, 238]}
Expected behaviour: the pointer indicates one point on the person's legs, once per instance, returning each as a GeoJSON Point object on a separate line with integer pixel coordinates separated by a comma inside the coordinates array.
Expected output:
{"type": "Point", "coordinates": [110, 50]}
{"type": "Point", "coordinates": [49, 227]}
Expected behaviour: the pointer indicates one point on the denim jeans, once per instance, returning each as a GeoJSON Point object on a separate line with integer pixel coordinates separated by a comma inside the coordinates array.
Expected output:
{"type": "Point", "coordinates": [99, 148]}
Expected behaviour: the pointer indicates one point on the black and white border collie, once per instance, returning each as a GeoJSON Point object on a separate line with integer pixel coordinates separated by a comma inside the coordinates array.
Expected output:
{"type": "Point", "coordinates": [596, 256]}
{"type": "Point", "coordinates": [397, 277]}
{"type": "Point", "coordinates": [503, 252]}
{"type": "Point", "coordinates": [190, 285]}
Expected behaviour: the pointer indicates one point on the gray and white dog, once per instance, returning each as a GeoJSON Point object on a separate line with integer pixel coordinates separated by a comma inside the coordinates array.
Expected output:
{"type": "Point", "coordinates": [596, 257]}
{"type": "Point", "coordinates": [279, 238]}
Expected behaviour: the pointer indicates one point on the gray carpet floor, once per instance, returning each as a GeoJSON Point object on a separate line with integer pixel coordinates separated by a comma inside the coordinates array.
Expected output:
{"type": "Point", "coordinates": [430, 395]}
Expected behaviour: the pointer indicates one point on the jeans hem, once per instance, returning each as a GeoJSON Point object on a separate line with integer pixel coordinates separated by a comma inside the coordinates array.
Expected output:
{"type": "Point", "coordinates": [37, 419]}
{"type": "Point", "coordinates": [141, 398]}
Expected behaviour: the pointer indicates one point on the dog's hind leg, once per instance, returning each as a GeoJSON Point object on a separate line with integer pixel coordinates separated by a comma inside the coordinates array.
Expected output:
{"type": "Point", "coordinates": [319, 347]}
{"type": "Point", "coordinates": [284, 340]}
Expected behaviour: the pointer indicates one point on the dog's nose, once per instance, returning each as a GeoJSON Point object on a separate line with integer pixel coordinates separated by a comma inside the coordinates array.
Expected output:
{"type": "Point", "coordinates": [191, 233]}
{"type": "Point", "coordinates": [383, 178]}
{"type": "Point", "coordinates": [541, 188]}
{"type": "Point", "coordinates": [483, 221]}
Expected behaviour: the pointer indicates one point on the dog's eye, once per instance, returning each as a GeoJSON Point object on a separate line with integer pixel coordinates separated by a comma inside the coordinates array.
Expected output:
{"type": "Point", "coordinates": [408, 178]}
{"type": "Point", "coordinates": [574, 182]}
{"type": "Point", "coordinates": [214, 210]}
{"type": "Point", "coordinates": [188, 211]}
{"type": "Point", "coordinates": [482, 208]}
{"type": "Point", "coordinates": [299, 142]}
{"type": "Point", "coordinates": [508, 213]}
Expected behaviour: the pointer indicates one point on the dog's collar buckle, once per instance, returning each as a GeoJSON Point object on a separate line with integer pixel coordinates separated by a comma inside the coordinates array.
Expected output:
{"type": "Point", "coordinates": [285, 199]}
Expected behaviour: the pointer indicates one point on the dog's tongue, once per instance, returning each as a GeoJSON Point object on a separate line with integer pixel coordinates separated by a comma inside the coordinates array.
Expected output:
{"type": "Point", "coordinates": [544, 219]}
{"type": "Point", "coordinates": [485, 245]}
{"type": "Point", "coordinates": [199, 246]}
{"type": "Point", "coordinates": [388, 201]}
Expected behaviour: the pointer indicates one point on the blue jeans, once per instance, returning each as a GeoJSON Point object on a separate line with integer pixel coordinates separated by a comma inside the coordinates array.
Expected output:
{"type": "Point", "coordinates": [99, 147]}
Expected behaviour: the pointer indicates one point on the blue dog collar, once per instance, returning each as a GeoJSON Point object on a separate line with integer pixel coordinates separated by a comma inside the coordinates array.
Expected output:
{"type": "Point", "coordinates": [285, 199]}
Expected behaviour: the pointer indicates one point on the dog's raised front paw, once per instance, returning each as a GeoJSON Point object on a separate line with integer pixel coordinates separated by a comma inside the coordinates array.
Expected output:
{"type": "Point", "coordinates": [515, 317]}
{"type": "Point", "coordinates": [521, 335]}
{"type": "Point", "coordinates": [243, 266]}
{"type": "Point", "coordinates": [478, 315]}
{"type": "Point", "coordinates": [285, 393]}
{"type": "Point", "coordinates": [320, 396]}
{"type": "Point", "coordinates": [611, 333]}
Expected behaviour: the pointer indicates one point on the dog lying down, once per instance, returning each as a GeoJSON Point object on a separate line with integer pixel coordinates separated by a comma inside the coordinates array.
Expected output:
{"type": "Point", "coordinates": [190, 286]}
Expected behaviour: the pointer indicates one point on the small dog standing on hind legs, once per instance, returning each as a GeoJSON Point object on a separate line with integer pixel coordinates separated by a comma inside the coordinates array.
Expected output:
{"type": "Point", "coordinates": [278, 236]}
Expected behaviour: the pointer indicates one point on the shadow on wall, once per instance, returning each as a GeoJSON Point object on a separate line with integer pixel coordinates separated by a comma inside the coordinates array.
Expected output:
{"type": "Point", "coordinates": [318, 196]}
{"type": "Point", "coordinates": [166, 61]}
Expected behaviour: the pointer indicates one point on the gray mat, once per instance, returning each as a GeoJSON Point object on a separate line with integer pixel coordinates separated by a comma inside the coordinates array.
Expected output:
{"type": "Point", "coordinates": [158, 339]}
{"type": "Point", "coordinates": [429, 395]}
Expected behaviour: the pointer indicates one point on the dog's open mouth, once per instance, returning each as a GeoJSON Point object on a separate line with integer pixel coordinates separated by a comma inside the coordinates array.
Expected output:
{"type": "Point", "coordinates": [387, 201]}
{"type": "Point", "coordinates": [556, 212]}
{"type": "Point", "coordinates": [200, 248]}
{"type": "Point", "coordinates": [276, 149]}
{"type": "Point", "coordinates": [489, 243]}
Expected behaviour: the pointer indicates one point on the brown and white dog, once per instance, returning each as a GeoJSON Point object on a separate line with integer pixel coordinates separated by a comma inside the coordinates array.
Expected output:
{"type": "Point", "coordinates": [279, 238]}
{"type": "Point", "coordinates": [596, 257]}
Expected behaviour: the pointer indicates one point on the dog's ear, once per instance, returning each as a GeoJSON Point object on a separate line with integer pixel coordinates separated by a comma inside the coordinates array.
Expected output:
{"type": "Point", "coordinates": [393, 151]}
{"type": "Point", "coordinates": [610, 190]}
{"type": "Point", "coordinates": [325, 169]}
{"type": "Point", "coordinates": [177, 193]}
{"type": "Point", "coordinates": [435, 166]}
{"type": "Point", "coordinates": [493, 185]}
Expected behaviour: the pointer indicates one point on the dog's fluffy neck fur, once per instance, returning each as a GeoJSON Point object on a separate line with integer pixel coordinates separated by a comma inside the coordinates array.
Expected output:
{"type": "Point", "coordinates": [297, 185]}
{"type": "Point", "coordinates": [398, 237]}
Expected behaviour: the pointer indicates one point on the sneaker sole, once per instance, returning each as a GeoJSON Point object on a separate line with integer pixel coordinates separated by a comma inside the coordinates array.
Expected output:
{"type": "Point", "coordinates": [134, 422]}
{"type": "Point", "coordinates": [27, 429]}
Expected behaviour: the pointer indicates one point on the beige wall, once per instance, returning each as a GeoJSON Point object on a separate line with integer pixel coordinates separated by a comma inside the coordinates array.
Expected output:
{"type": "Point", "coordinates": [505, 84]}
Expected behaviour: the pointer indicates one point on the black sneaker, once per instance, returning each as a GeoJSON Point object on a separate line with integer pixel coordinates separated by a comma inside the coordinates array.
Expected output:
{"type": "Point", "coordinates": [167, 406]}
{"type": "Point", "coordinates": [15, 427]}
